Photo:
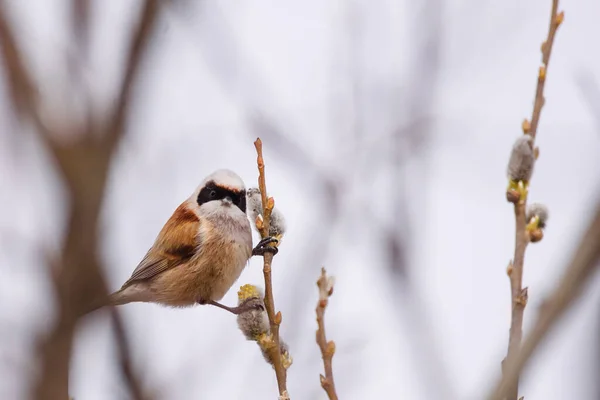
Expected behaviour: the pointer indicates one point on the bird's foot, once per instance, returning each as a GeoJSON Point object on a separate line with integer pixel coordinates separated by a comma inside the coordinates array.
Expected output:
{"type": "Point", "coordinates": [246, 305]}
{"type": "Point", "coordinates": [263, 247]}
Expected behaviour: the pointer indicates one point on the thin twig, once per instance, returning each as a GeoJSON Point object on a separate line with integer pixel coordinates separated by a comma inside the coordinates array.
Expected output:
{"type": "Point", "coordinates": [515, 269]}
{"type": "Point", "coordinates": [555, 21]}
{"type": "Point", "coordinates": [586, 259]}
{"type": "Point", "coordinates": [325, 285]}
{"type": "Point", "coordinates": [274, 319]}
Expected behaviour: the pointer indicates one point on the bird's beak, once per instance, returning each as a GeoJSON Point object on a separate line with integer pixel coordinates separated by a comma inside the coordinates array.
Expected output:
{"type": "Point", "coordinates": [227, 200]}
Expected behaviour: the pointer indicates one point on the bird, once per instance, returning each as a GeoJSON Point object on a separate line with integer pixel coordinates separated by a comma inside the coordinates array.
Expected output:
{"type": "Point", "coordinates": [200, 252]}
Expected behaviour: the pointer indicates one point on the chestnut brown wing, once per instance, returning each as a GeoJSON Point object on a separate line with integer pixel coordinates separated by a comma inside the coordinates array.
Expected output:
{"type": "Point", "coordinates": [176, 243]}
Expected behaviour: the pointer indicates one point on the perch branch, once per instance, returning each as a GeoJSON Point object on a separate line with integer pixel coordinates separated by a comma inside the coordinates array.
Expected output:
{"type": "Point", "coordinates": [325, 285]}
{"type": "Point", "coordinates": [585, 261]}
{"type": "Point", "coordinates": [515, 269]}
{"type": "Point", "coordinates": [274, 319]}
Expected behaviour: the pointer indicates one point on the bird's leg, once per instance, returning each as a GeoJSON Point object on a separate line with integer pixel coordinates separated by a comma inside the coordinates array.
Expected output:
{"type": "Point", "coordinates": [245, 306]}
{"type": "Point", "coordinates": [263, 247]}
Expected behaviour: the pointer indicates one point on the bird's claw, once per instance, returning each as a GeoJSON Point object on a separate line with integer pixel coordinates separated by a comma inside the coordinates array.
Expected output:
{"type": "Point", "coordinates": [263, 247]}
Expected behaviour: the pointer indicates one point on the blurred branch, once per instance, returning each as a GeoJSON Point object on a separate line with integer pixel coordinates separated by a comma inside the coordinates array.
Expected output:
{"type": "Point", "coordinates": [519, 294]}
{"type": "Point", "coordinates": [138, 47]}
{"type": "Point", "coordinates": [325, 285]}
{"type": "Point", "coordinates": [77, 275]}
{"type": "Point", "coordinates": [80, 20]}
{"type": "Point", "coordinates": [127, 369]}
{"type": "Point", "coordinates": [578, 273]}
{"type": "Point", "coordinates": [274, 319]}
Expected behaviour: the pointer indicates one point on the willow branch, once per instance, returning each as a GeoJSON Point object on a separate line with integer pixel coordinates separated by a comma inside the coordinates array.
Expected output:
{"type": "Point", "coordinates": [325, 285]}
{"type": "Point", "coordinates": [586, 259]}
{"type": "Point", "coordinates": [274, 319]}
{"type": "Point", "coordinates": [515, 269]}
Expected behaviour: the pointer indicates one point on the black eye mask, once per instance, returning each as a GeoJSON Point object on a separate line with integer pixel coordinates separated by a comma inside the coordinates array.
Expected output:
{"type": "Point", "coordinates": [211, 192]}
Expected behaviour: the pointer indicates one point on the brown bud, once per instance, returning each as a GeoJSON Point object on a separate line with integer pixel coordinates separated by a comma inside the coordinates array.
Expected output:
{"type": "Point", "coordinates": [323, 380]}
{"type": "Point", "coordinates": [526, 126]}
{"type": "Point", "coordinates": [543, 48]}
{"type": "Point", "coordinates": [542, 73]}
{"type": "Point", "coordinates": [536, 235]}
{"type": "Point", "coordinates": [536, 152]}
{"type": "Point", "coordinates": [512, 196]}
{"type": "Point", "coordinates": [330, 348]}
{"type": "Point", "coordinates": [509, 269]}
{"type": "Point", "coordinates": [523, 297]}
{"type": "Point", "coordinates": [259, 222]}
{"type": "Point", "coordinates": [560, 18]}
{"type": "Point", "coordinates": [270, 203]}
{"type": "Point", "coordinates": [278, 318]}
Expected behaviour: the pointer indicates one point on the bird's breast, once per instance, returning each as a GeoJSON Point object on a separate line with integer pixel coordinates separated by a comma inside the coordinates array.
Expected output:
{"type": "Point", "coordinates": [224, 252]}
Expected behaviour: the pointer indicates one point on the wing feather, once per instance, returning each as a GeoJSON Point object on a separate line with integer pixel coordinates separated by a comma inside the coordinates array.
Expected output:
{"type": "Point", "coordinates": [176, 243]}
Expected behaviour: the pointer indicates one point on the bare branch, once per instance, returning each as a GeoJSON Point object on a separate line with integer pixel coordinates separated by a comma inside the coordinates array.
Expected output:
{"type": "Point", "coordinates": [325, 285]}
{"type": "Point", "coordinates": [585, 261]}
{"type": "Point", "coordinates": [274, 319]}
{"type": "Point", "coordinates": [77, 274]}
{"type": "Point", "coordinates": [518, 196]}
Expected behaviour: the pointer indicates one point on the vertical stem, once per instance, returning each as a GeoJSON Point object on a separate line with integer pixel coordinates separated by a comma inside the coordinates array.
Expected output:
{"type": "Point", "coordinates": [274, 319]}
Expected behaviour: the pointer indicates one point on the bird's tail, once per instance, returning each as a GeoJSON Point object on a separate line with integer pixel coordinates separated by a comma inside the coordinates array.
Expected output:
{"type": "Point", "coordinates": [115, 299]}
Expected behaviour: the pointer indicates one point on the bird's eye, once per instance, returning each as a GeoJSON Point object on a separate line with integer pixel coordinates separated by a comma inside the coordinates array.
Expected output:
{"type": "Point", "coordinates": [213, 194]}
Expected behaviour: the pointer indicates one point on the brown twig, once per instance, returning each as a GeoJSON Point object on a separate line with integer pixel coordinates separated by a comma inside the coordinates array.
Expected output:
{"type": "Point", "coordinates": [585, 261]}
{"type": "Point", "coordinates": [325, 285]}
{"type": "Point", "coordinates": [515, 269]}
{"type": "Point", "coordinates": [555, 21]}
{"type": "Point", "coordinates": [274, 319]}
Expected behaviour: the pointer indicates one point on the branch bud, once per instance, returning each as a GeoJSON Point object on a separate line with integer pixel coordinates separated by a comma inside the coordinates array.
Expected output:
{"type": "Point", "coordinates": [559, 18]}
{"type": "Point", "coordinates": [542, 73]}
{"type": "Point", "coordinates": [526, 126]}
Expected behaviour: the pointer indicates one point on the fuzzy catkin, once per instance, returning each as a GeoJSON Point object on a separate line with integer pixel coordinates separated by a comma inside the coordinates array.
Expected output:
{"type": "Point", "coordinates": [537, 210]}
{"type": "Point", "coordinates": [283, 351]}
{"type": "Point", "coordinates": [254, 208]}
{"type": "Point", "coordinates": [255, 325]}
{"type": "Point", "coordinates": [254, 322]}
{"type": "Point", "coordinates": [522, 159]}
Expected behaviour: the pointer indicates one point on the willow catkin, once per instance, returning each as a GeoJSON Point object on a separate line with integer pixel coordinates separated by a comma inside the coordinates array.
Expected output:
{"type": "Point", "coordinates": [522, 159]}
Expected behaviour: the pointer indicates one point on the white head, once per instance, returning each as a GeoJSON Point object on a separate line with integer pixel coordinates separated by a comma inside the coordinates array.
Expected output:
{"type": "Point", "coordinates": [221, 188]}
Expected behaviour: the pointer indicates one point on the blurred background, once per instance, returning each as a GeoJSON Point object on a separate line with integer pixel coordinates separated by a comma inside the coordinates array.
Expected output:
{"type": "Point", "coordinates": [387, 127]}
